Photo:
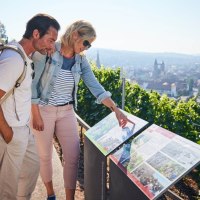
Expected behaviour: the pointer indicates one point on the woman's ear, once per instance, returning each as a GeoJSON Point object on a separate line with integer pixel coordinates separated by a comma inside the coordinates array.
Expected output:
{"type": "Point", "coordinates": [36, 34]}
{"type": "Point", "coordinates": [75, 35]}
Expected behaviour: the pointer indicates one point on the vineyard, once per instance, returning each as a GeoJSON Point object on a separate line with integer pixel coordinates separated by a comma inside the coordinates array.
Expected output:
{"type": "Point", "coordinates": [180, 117]}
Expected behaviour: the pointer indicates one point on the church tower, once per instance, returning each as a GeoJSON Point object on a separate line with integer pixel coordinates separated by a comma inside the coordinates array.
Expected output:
{"type": "Point", "coordinates": [162, 67]}
{"type": "Point", "coordinates": [98, 64]}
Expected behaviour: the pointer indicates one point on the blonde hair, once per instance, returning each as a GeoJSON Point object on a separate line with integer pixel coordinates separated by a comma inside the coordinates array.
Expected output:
{"type": "Point", "coordinates": [82, 27]}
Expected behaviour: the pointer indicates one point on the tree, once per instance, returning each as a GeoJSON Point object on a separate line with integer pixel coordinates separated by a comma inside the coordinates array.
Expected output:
{"type": "Point", "coordinates": [3, 36]}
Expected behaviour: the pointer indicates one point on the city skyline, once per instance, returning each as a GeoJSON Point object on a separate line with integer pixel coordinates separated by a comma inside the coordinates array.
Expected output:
{"type": "Point", "coordinates": [133, 25]}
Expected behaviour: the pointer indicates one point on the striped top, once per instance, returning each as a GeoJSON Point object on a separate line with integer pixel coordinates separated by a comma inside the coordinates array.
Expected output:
{"type": "Point", "coordinates": [64, 85]}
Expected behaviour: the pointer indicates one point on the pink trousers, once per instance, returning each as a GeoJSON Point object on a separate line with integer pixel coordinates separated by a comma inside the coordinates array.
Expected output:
{"type": "Point", "coordinates": [62, 121]}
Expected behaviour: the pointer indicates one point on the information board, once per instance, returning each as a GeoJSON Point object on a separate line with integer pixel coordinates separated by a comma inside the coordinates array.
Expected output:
{"type": "Point", "coordinates": [108, 135]}
{"type": "Point", "coordinates": [156, 159]}
{"type": "Point", "coordinates": [99, 142]}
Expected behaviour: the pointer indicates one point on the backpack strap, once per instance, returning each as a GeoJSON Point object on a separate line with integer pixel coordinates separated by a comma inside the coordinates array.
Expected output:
{"type": "Point", "coordinates": [22, 76]}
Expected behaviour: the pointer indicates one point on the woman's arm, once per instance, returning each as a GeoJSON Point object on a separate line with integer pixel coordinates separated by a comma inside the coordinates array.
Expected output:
{"type": "Point", "coordinates": [39, 65]}
{"type": "Point", "coordinates": [121, 117]}
{"type": "Point", "coordinates": [92, 83]}
{"type": "Point", "coordinates": [101, 94]}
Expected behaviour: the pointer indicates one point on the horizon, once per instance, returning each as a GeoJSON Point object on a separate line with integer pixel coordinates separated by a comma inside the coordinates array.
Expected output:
{"type": "Point", "coordinates": [109, 58]}
{"type": "Point", "coordinates": [145, 52]}
{"type": "Point", "coordinates": [165, 26]}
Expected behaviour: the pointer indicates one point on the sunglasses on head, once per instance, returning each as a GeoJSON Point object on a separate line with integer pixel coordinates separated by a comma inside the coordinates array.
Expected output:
{"type": "Point", "coordinates": [86, 44]}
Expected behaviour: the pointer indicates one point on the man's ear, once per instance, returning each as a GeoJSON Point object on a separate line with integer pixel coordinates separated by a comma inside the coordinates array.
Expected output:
{"type": "Point", "coordinates": [36, 34]}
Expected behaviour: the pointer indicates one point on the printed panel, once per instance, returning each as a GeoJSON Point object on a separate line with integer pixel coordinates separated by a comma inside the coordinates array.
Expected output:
{"type": "Point", "coordinates": [156, 159]}
{"type": "Point", "coordinates": [107, 135]}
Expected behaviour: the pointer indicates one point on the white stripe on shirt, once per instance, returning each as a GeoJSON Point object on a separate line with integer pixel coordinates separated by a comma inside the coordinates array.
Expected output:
{"type": "Point", "coordinates": [62, 90]}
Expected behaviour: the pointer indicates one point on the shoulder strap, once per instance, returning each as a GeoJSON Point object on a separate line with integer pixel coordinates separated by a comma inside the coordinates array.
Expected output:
{"type": "Point", "coordinates": [22, 76]}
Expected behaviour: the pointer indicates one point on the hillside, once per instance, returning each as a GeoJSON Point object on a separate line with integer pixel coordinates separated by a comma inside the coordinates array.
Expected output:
{"type": "Point", "coordinates": [109, 57]}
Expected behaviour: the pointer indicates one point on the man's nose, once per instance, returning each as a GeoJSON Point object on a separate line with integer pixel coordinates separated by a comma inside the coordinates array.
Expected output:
{"type": "Point", "coordinates": [51, 46]}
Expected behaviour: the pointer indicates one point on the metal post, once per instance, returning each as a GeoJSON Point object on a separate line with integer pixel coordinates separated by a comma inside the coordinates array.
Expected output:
{"type": "Point", "coordinates": [122, 76]}
{"type": "Point", "coordinates": [123, 91]}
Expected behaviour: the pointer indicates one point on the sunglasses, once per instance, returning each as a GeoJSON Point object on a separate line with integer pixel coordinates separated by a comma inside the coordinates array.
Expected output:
{"type": "Point", "coordinates": [86, 44]}
{"type": "Point", "coordinates": [33, 72]}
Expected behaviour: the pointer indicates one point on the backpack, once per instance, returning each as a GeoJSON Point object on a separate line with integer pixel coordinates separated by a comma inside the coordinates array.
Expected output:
{"type": "Point", "coordinates": [22, 76]}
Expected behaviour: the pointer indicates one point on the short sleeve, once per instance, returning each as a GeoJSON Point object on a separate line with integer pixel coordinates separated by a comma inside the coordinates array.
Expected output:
{"type": "Point", "coordinates": [11, 67]}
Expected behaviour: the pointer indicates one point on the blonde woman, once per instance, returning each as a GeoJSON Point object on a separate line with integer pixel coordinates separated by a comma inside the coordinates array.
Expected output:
{"type": "Point", "coordinates": [54, 98]}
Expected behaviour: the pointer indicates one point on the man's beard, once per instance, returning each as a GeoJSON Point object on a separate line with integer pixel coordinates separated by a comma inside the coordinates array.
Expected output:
{"type": "Point", "coordinates": [43, 51]}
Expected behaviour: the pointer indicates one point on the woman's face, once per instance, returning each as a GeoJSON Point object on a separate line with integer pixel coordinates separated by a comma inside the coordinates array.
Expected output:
{"type": "Point", "coordinates": [82, 44]}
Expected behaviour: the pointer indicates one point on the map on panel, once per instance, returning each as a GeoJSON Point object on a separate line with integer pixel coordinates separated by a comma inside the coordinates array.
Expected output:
{"type": "Point", "coordinates": [108, 135]}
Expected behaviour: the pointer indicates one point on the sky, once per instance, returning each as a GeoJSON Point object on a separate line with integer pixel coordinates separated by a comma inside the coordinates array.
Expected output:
{"type": "Point", "coordinates": [133, 25]}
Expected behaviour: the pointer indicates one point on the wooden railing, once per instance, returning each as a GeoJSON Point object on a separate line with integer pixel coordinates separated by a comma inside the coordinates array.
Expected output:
{"type": "Point", "coordinates": [173, 195]}
{"type": "Point", "coordinates": [83, 125]}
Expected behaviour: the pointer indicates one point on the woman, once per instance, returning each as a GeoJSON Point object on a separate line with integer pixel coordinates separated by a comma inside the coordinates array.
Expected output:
{"type": "Point", "coordinates": [54, 95]}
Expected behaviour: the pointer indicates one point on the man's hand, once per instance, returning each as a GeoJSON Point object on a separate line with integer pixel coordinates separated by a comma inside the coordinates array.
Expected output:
{"type": "Point", "coordinates": [7, 134]}
{"type": "Point", "coordinates": [5, 129]}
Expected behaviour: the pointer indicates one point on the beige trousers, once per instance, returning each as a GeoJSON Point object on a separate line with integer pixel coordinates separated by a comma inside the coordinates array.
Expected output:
{"type": "Point", "coordinates": [19, 165]}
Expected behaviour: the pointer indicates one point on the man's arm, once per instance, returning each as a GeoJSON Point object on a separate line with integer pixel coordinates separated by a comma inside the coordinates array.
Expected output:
{"type": "Point", "coordinates": [5, 129]}
{"type": "Point", "coordinates": [11, 67]}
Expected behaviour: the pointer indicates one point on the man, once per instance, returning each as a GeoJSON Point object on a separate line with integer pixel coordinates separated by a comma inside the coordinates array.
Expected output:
{"type": "Point", "coordinates": [19, 163]}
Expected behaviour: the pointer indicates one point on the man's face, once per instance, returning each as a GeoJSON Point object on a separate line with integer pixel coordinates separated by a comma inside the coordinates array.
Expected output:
{"type": "Point", "coordinates": [46, 43]}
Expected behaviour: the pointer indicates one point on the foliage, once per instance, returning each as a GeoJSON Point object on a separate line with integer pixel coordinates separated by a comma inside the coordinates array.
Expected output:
{"type": "Point", "coordinates": [187, 120]}
{"type": "Point", "coordinates": [3, 36]}
{"type": "Point", "coordinates": [180, 117]}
